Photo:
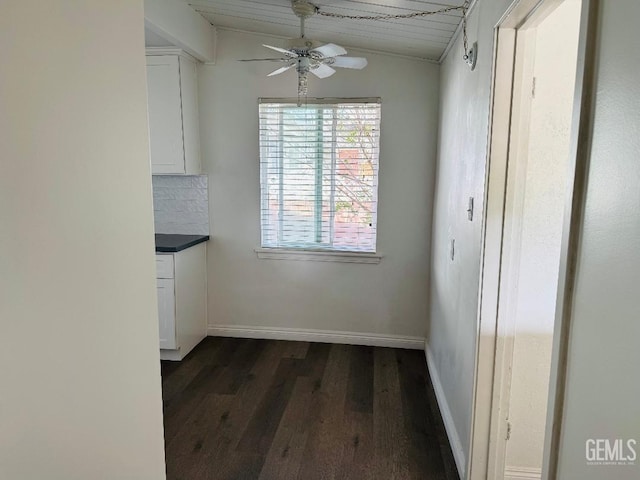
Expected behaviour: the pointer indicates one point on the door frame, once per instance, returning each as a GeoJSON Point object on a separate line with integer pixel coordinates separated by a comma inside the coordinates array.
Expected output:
{"type": "Point", "coordinates": [491, 350]}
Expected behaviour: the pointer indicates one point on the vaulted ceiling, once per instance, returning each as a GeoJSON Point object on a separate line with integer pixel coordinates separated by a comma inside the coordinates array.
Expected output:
{"type": "Point", "coordinates": [422, 37]}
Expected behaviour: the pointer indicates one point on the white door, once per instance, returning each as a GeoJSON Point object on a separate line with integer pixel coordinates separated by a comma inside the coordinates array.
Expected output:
{"type": "Point", "coordinates": [167, 313]}
{"type": "Point", "coordinates": [165, 114]}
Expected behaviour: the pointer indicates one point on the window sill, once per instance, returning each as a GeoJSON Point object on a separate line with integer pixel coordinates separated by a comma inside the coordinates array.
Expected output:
{"type": "Point", "coordinates": [317, 256]}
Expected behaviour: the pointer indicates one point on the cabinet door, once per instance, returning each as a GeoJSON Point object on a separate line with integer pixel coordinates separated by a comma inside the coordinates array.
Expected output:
{"type": "Point", "coordinates": [190, 121]}
{"type": "Point", "coordinates": [167, 313]}
{"type": "Point", "coordinates": [165, 114]}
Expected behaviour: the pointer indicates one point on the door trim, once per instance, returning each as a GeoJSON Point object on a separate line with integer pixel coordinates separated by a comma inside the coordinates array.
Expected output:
{"type": "Point", "coordinates": [579, 156]}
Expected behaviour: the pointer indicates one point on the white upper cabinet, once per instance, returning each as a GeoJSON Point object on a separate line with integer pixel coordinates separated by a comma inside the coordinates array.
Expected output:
{"type": "Point", "coordinates": [173, 113]}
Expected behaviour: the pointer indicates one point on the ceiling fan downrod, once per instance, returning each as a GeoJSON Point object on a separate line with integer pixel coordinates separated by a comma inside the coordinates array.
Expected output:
{"type": "Point", "coordinates": [303, 10]}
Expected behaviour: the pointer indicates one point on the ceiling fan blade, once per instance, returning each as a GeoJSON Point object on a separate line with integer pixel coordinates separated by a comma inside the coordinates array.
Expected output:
{"type": "Point", "coordinates": [280, 70]}
{"type": "Point", "coordinates": [265, 60]}
{"type": "Point", "coordinates": [281, 50]}
{"type": "Point", "coordinates": [330, 50]}
{"type": "Point", "coordinates": [350, 62]}
{"type": "Point", "coordinates": [323, 71]}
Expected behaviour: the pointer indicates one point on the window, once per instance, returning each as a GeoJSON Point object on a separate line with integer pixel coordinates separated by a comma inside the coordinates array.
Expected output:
{"type": "Point", "coordinates": [319, 174]}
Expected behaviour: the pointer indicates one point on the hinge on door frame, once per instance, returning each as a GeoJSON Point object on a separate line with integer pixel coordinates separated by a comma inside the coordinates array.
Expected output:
{"type": "Point", "coordinates": [533, 88]}
{"type": "Point", "coordinates": [508, 430]}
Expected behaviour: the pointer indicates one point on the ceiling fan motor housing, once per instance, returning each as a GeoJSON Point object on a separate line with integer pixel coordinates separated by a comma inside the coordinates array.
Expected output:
{"type": "Point", "coordinates": [302, 45]}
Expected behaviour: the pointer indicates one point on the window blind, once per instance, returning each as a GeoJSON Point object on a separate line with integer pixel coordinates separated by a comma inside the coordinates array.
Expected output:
{"type": "Point", "coordinates": [319, 174]}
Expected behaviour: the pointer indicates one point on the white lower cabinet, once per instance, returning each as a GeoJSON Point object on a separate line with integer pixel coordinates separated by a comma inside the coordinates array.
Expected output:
{"type": "Point", "coordinates": [182, 300]}
{"type": "Point", "coordinates": [167, 313]}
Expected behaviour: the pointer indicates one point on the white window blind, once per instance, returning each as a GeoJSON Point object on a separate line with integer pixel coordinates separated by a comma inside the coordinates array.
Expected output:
{"type": "Point", "coordinates": [319, 174]}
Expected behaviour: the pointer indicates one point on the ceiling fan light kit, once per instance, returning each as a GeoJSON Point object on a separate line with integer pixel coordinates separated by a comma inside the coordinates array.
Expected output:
{"type": "Point", "coordinates": [308, 56]}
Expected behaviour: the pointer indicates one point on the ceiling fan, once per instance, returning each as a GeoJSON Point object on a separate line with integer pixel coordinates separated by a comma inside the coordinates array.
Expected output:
{"type": "Point", "coordinates": [308, 56]}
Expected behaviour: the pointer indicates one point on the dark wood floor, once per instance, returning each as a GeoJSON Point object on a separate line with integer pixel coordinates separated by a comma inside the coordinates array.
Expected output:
{"type": "Point", "coordinates": [262, 409]}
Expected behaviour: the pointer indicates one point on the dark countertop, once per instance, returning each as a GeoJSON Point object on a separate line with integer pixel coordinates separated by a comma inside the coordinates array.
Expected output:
{"type": "Point", "coordinates": [172, 243]}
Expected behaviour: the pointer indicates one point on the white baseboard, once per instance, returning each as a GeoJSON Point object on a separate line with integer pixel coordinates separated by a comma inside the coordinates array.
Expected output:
{"type": "Point", "coordinates": [452, 433]}
{"type": "Point", "coordinates": [522, 473]}
{"type": "Point", "coordinates": [173, 355]}
{"type": "Point", "coordinates": [323, 336]}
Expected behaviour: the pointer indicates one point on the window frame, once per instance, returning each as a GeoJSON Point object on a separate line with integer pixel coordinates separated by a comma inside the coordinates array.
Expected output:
{"type": "Point", "coordinates": [320, 252]}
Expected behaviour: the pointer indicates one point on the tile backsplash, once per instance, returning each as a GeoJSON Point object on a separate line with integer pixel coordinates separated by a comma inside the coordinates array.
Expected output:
{"type": "Point", "coordinates": [181, 204]}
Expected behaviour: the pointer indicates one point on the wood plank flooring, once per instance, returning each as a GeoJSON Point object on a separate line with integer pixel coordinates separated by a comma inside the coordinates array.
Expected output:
{"type": "Point", "coordinates": [274, 410]}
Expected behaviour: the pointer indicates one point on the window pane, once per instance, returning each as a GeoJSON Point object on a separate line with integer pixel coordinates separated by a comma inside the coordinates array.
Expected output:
{"type": "Point", "coordinates": [319, 168]}
{"type": "Point", "coordinates": [299, 157]}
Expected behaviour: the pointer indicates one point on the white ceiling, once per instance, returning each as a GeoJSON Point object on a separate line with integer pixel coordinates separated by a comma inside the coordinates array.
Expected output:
{"type": "Point", "coordinates": [422, 37]}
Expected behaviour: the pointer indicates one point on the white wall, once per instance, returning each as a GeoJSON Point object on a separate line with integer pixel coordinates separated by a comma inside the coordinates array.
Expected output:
{"type": "Point", "coordinates": [462, 147]}
{"type": "Point", "coordinates": [389, 298]}
{"type": "Point", "coordinates": [80, 389]}
{"type": "Point", "coordinates": [540, 198]}
{"type": "Point", "coordinates": [602, 386]}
